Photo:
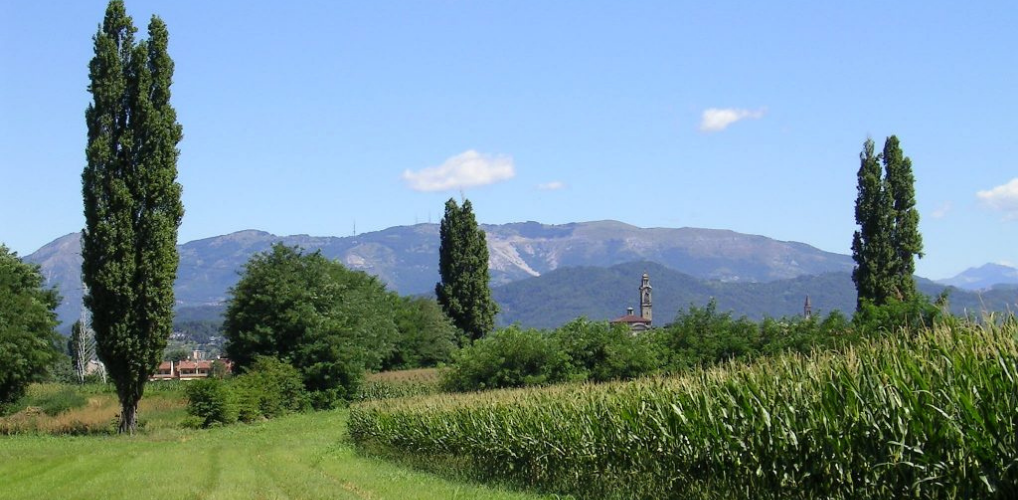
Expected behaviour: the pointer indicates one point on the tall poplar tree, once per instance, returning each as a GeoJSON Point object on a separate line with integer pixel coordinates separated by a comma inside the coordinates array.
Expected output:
{"type": "Point", "coordinates": [905, 237]}
{"type": "Point", "coordinates": [132, 203]}
{"type": "Point", "coordinates": [463, 265]}
{"type": "Point", "coordinates": [888, 238]}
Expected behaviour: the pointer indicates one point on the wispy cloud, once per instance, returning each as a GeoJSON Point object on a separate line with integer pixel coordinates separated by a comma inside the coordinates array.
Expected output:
{"type": "Point", "coordinates": [1003, 198]}
{"type": "Point", "coordinates": [942, 211]}
{"type": "Point", "coordinates": [467, 169]}
{"type": "Point", "coordinates": [551, 186]}
{"type": "Point", "coordinates": [718, 119]}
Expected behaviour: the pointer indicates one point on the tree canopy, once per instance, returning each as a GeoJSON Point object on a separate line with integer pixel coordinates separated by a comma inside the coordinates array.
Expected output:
{"type": "Point", "coordinates": [131, 201]}
{"type": "Point", "coordinates": [27, 326]}
{"type": "Point", "coordinates": [888, 240]}
{"type": "Point", "coordinates": [329, 322]}
{"type": "Point", "coordinates": [463, 266]}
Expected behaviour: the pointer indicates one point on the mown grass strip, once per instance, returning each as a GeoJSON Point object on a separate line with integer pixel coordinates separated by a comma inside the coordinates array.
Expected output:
{"type": "Point", "coordinates": [298, 456]}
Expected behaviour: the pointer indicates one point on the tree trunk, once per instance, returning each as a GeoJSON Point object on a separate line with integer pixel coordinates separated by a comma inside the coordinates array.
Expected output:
{"type": "Point", "coordinates": [128, 417]}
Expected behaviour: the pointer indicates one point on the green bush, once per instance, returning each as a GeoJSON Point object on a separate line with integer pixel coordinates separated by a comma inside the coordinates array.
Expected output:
{"type": "Point", "coordinates": [599, 351]}
{"type": "Point", "coordinates": [211, 403]}
{"type": "Point", "coordinates": [510, 357]}
{"type": "Point", "coordinates": [270, 388]}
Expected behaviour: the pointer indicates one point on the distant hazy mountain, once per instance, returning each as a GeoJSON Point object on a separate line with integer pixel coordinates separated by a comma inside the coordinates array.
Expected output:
{"type": "Point", "coordinates": [406, 257]}
{"type": "Point", "coordinates": [605, 293]}
{"type": "Point", "coordinates": [984, 277]}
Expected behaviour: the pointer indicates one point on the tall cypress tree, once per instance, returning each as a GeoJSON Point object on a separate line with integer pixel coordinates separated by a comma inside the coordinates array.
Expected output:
{"type": "Point", "coordinates": [132, 203]}
{"type": "Point", "coordinates": [888, 239]}
{"type": "Point", "coordinates": [905, 237]}
{"type": "Point", "coordinates": [463, 265]}
{"type": "Point", "coordinates": [871, 244]}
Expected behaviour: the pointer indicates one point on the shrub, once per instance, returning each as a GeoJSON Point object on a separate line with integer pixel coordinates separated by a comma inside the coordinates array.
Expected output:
{"type": "Point", "coordinates": [269, 389]}
{"type": "Point", "coordinates": [211, 403]}
{"type": "Point", "coordinates": [599, 351]}
{"type": "Point", "coordinates": [704, 336]}
{"type": "Point", "coordinates": [510, 357]}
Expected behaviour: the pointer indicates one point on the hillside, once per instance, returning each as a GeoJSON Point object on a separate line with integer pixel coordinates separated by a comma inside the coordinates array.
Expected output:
{"type": "Point", "coordinates": [984, 277]}
{"type": "Point", "coordinates": [406, 257]}
{"type": "Point", "coordinates": [604, 293]}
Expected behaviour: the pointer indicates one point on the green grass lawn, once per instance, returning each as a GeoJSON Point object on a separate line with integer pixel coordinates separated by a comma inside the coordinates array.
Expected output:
{"type": "Point", "coordinates": [300, 456]}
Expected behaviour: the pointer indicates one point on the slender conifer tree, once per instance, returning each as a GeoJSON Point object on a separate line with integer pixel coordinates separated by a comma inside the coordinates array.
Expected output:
{"type": "Point", "coordinates": [132, 203]}
{"type": "Point", "coordinates": [464, 292]}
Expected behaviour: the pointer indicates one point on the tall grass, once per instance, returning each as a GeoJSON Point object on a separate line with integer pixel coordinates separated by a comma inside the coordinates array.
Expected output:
{"type": "Point", "coordinates": [932, 415]}
{"type": "Point", "coordinates": [72, 409]}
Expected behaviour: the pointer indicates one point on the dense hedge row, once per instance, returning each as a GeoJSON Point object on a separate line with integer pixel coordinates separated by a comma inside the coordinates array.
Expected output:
{"type": "Point", "coordinates": [930, 414]}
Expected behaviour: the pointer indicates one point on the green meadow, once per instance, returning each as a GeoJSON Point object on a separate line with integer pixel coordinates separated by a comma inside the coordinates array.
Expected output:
{"type": "Point", "coordinates": [301, 456]}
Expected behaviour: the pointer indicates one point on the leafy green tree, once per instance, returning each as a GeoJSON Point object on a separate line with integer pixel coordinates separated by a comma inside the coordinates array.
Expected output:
{"type": "Point", "coordinates": [872, 248]}
{"type": "Point", "coordinates": [510, 357]}
{"type": "Point", "coordinates": [427, 336]}
{"type": "Point", "coordinates": [132, 203]}
{"type": "Point", "coordinates": [463, 265]}
{"type": "Point", "coordinates": [888, 239]}
{"type": "Point", "coordinates": [27, 326]}
{"type": "Point", "coordinates": [176, 354]}
{"type": "Point", "coordinates": [329, 322]}
{"type": "Point", "coordinates": [599, 351]}
{"type": "Point", "coordinates": [905, 237]}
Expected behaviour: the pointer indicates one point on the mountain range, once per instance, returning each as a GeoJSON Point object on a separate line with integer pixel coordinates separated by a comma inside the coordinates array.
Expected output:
{"type": "Point", "coordinates": [406, 257]}
{"type": "Point", "coordinates": [600, 293]}
{"type": "Point", "coordinates": [984, 277]}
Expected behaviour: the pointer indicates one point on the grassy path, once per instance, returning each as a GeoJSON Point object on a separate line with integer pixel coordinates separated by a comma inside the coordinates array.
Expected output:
{"type": "Point", "coordinates": [304, 456]}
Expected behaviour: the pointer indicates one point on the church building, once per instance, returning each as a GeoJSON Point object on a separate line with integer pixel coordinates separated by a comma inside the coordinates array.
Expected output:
{"type": "Point", "coordinates": [642, 322]}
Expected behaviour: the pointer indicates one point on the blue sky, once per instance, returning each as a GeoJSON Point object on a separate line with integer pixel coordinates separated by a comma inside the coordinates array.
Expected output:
{"type": "Point", "coordinates": [313, 117]}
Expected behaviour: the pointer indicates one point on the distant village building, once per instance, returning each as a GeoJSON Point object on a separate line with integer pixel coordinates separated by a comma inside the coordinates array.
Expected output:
{"type": "Point", "coordinates": [188, 369]}
{"type": "Point", "coordinates": [807, 309]}
{"type": "Point", "coordinates": [642, 322]}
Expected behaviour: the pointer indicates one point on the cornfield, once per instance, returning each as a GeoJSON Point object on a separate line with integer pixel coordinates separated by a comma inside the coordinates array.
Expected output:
{"type": "Point", "coordinates": [927, 415]}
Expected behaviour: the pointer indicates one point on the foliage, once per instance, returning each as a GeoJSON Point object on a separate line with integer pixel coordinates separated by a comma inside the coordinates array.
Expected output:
{"type": "Point", "coordinates": [463, 265]}
{"type": "Point", "coordinates": [599, 352]}
{"type": "Point", "coordinates": [888, 239]}
{"type": "Point", "coordinates": [175, 354]}
{"type": "Point", "coordinates": [510, 357]}
{"type": "Point", "coordinates": [896, 316]}
{"type": "Point", "coordinates": [929, 415]}
{"type": "Point", "coordinates": [427, 336]}
{"type": "Point", "coordinates": [27, 322]}
{"type": "Point", "coordinates": [270, 388]}
{"type": "Point", "coordinates": [210, 402]}
{"type": "Point", "coordinates": [704, 336]}
{"type": "Point", "coordinates": [329, 322]}
{"type": "Point", "coordinates": [132, 202]}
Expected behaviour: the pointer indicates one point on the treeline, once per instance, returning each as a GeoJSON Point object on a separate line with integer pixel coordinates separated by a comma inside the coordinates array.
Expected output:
{"type": "Point", "coordinates": [584, 350]}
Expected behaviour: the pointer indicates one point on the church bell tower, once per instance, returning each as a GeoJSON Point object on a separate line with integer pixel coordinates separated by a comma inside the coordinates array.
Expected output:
{"type": "Point", "coordinates": [645, 311]}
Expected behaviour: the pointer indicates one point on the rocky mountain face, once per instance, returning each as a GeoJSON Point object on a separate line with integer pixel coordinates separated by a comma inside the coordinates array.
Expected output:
{"type": "Point", "coordinates": [406, 257]}
{"type": "Point", "coordinates": [984, 277]}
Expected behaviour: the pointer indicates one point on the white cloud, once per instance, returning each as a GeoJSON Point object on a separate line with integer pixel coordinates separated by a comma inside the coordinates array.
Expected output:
{"type": "Point", "coordinates": [1003, 198]}
{"type": "Point", "coordinates": [942, 211]}
{"type": "Point", "coordinates": [718, 119]}
{"type": "Point", "coordinates": [551, 186]}
{"type": "Point", "coordinates": [467, 169]}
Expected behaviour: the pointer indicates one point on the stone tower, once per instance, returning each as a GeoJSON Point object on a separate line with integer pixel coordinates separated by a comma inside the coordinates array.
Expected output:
{"type": "Point", "coordinates": [645, 304]}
